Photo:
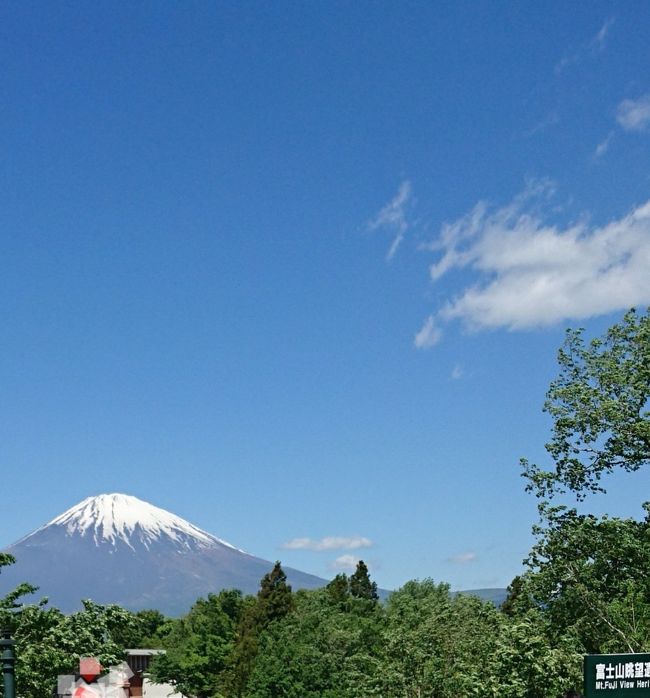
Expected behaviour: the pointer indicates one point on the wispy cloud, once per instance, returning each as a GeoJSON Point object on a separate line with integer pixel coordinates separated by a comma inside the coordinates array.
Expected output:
{"type": "Point", "coordinates": [588, 48]}
{"type": "Point", "coordinates": [598, 41]}
{"type": "Point", "coordinates": [462, 558]}
{"type": "Point", "coordinates": [547, 122]}
{"type": "Point", "coordinates": [526, 272]}
{"type": "Point", "coordinates": [457, 372]}
{"type": "Point", "coordinates": [603, 146]}
{"type": "Point", "coordinates": [328, 543]}
{"type": "Point", "coordinates": [344, 562]}
{"type": "Point", "coordinates": [392, 217]}
{"type": "Point", "coordinates": [634, 114]}
{"type": "Point", "coordinates": [429, 334]}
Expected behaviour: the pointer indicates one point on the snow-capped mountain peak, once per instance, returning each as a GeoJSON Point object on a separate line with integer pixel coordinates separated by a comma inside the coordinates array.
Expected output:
{"type": "Point", "coordinates": [115, 548]}
{"type": "Point", "coordinates": [111, 518]}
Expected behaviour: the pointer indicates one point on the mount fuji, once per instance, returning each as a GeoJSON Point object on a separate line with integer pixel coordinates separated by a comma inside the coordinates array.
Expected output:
{"type": "Point", "coordinates": [114, 548]}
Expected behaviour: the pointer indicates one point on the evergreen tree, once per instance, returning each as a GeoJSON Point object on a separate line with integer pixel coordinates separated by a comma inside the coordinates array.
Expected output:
{"type": "Point", "coordinates": [274, 596]}
{"type": "Point", "coordinates": [360, 585]}
{"type": "Point", "coordinates": [339, 589]}
{"type": "Point", "coordinates": [518, 601]}
{"type": "Point", "coordinates": [274, 601]}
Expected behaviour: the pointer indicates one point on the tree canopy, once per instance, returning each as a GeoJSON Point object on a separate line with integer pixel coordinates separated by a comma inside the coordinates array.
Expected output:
{"type": "Point", "coordinates": [589, 573]}
{"type": "Point", "coordinates": [600, 409]}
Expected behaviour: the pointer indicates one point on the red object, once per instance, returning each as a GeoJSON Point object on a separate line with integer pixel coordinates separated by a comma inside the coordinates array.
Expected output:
{"type": "Point", "coordinates": [84, 692]}
{"type": "Point", "coordinates": [89, 669]}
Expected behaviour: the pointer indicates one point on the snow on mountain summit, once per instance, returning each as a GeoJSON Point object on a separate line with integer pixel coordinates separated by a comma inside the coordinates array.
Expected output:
{"type": "Point", "coordinates": [120, 517]}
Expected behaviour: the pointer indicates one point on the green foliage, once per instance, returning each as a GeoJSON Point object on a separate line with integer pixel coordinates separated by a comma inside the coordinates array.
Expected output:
{"type": "Point", "coordinates": [339, 590]}
{"type": "Point", "coordinates": [526, 663]}
{"type": "Point", "coordinates": [590, 574]}
{"type": "Point", "coordinates": [436, 644]}
{"type": "Point", "coordinates": [322, 649]}
{"type": "Point", "coordinates": [49, 643]}
{"type": "Point", "coordinates": [147, 629]}
{"type": "Point", "coordinates": [274, 597]}
{"type": "Point", "coordinates": [519, 599]}
{"type": "Point", "coordinates": [599, 405]}
{"type": "Point", "coordinates": [273, 603]}
{"type": "Point", "coordinates": [10, 602]}
{"type": "Point", "coordinates": [199, 645]}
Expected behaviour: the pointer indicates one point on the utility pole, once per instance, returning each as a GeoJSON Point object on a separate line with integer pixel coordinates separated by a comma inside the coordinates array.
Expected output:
{"type": "Point", "coordinates": [8, 664]}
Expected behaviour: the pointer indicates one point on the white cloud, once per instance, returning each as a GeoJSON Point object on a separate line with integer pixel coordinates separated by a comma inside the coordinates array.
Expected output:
{"type": "Point", "coordinates": [344, 562]}
{"type": "Point", "coordinates": [392, 217]}
{"type": "Point", "coordinates": [551, 119]}
{"type": "Point", "coordinates": [634, 114]}
{"type": "Point", "coordinates": [428, 335]}
{"type": "Point", "coordinates": [328, 543]}
{"type": "Point", "coordinates": [592, 47]}
{"type": "Point", "coordinates": [603, 146]}
{"type": "Point", "coordinates": [526, 272]}
{"type": "Point", "coordinates": [462, 558]}
{"type": "Point", "coordinates": [598, 41]}
{"type": "Point", "coordinates": [457, 372]}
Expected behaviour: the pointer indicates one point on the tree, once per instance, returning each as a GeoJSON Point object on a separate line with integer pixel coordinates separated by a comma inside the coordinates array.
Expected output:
{"type": "Point", "coordinates": [527, 663]}
{"type": "Point", "coordinates": [199, 645]}
{"type": "Point", "coordinates": [360, 585]}
{"type": "Point", "coordinates": [339, 590]}
{"type": "Point", "coordinates": [599, 405]}
{"type": "Point", "coordinates": [274, 601]}
{"type": "Point", "coordinates": [49, 643]}
{"type": "Point", "coordinates": [322, 649]}
{"type": "Point", "coordinates": [518, 600]}
{"type": "Point", "coordinates": [590, 575]}
{"type": "Point", "coordinates": [274, 597]}
{"type": "Point", "coordinates": [9, 603]}
{"type": "Point", "coordinates": [148, 629]}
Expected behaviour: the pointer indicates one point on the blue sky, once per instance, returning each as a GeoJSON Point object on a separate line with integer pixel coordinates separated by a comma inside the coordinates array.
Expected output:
{"type": "Point", "coordinates": [299, 272]}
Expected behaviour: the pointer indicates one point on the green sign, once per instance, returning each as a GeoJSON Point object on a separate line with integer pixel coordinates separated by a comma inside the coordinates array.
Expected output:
{"type": "Point", "coordinates": [611, 675]}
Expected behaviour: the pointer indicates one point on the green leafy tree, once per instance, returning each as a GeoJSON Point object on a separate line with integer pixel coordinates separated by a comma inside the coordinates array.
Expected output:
{"type": "Point", "coordinates": [436, 644]}
{"type": "Point", "coordinates": [587, 575]}
{"type": "Point", "coordinates": [148, 629]}
{"type": "Point", "coordinates": [322, 649]}
{"type": "Point", "coordinates": [526, 663]}
{"type": "Point", "coordinates": [198, 646]}
{"type": "Point", "coordinates": [600, 409]}
{"type": "Point", "coordinates": [11, 602]}
{"type": "Point", "coordinates": [49, 643]}
{"type": "Point", "coordinates": [590, 575]}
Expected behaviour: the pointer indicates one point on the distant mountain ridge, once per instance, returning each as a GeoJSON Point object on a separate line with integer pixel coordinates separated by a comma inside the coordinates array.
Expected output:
{"type": "Point", "coordinates": [496, 595]}
{"type": "Point", "coordinates": [115, 548]}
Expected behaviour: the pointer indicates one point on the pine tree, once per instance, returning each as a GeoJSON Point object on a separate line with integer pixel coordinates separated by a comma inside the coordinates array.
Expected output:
{"type": "Point", "coordinates": [339, 589]}
{"type": "Point", "coordinates": [274, 601]}
{"type": "Point", "coordinates": [274, 597]}
{"type": "Point", "coordinates": [360, 585]}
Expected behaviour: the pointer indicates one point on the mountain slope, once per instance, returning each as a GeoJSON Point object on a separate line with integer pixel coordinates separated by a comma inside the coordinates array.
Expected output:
{"type": "Point", "coordinates": [115, 548]}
